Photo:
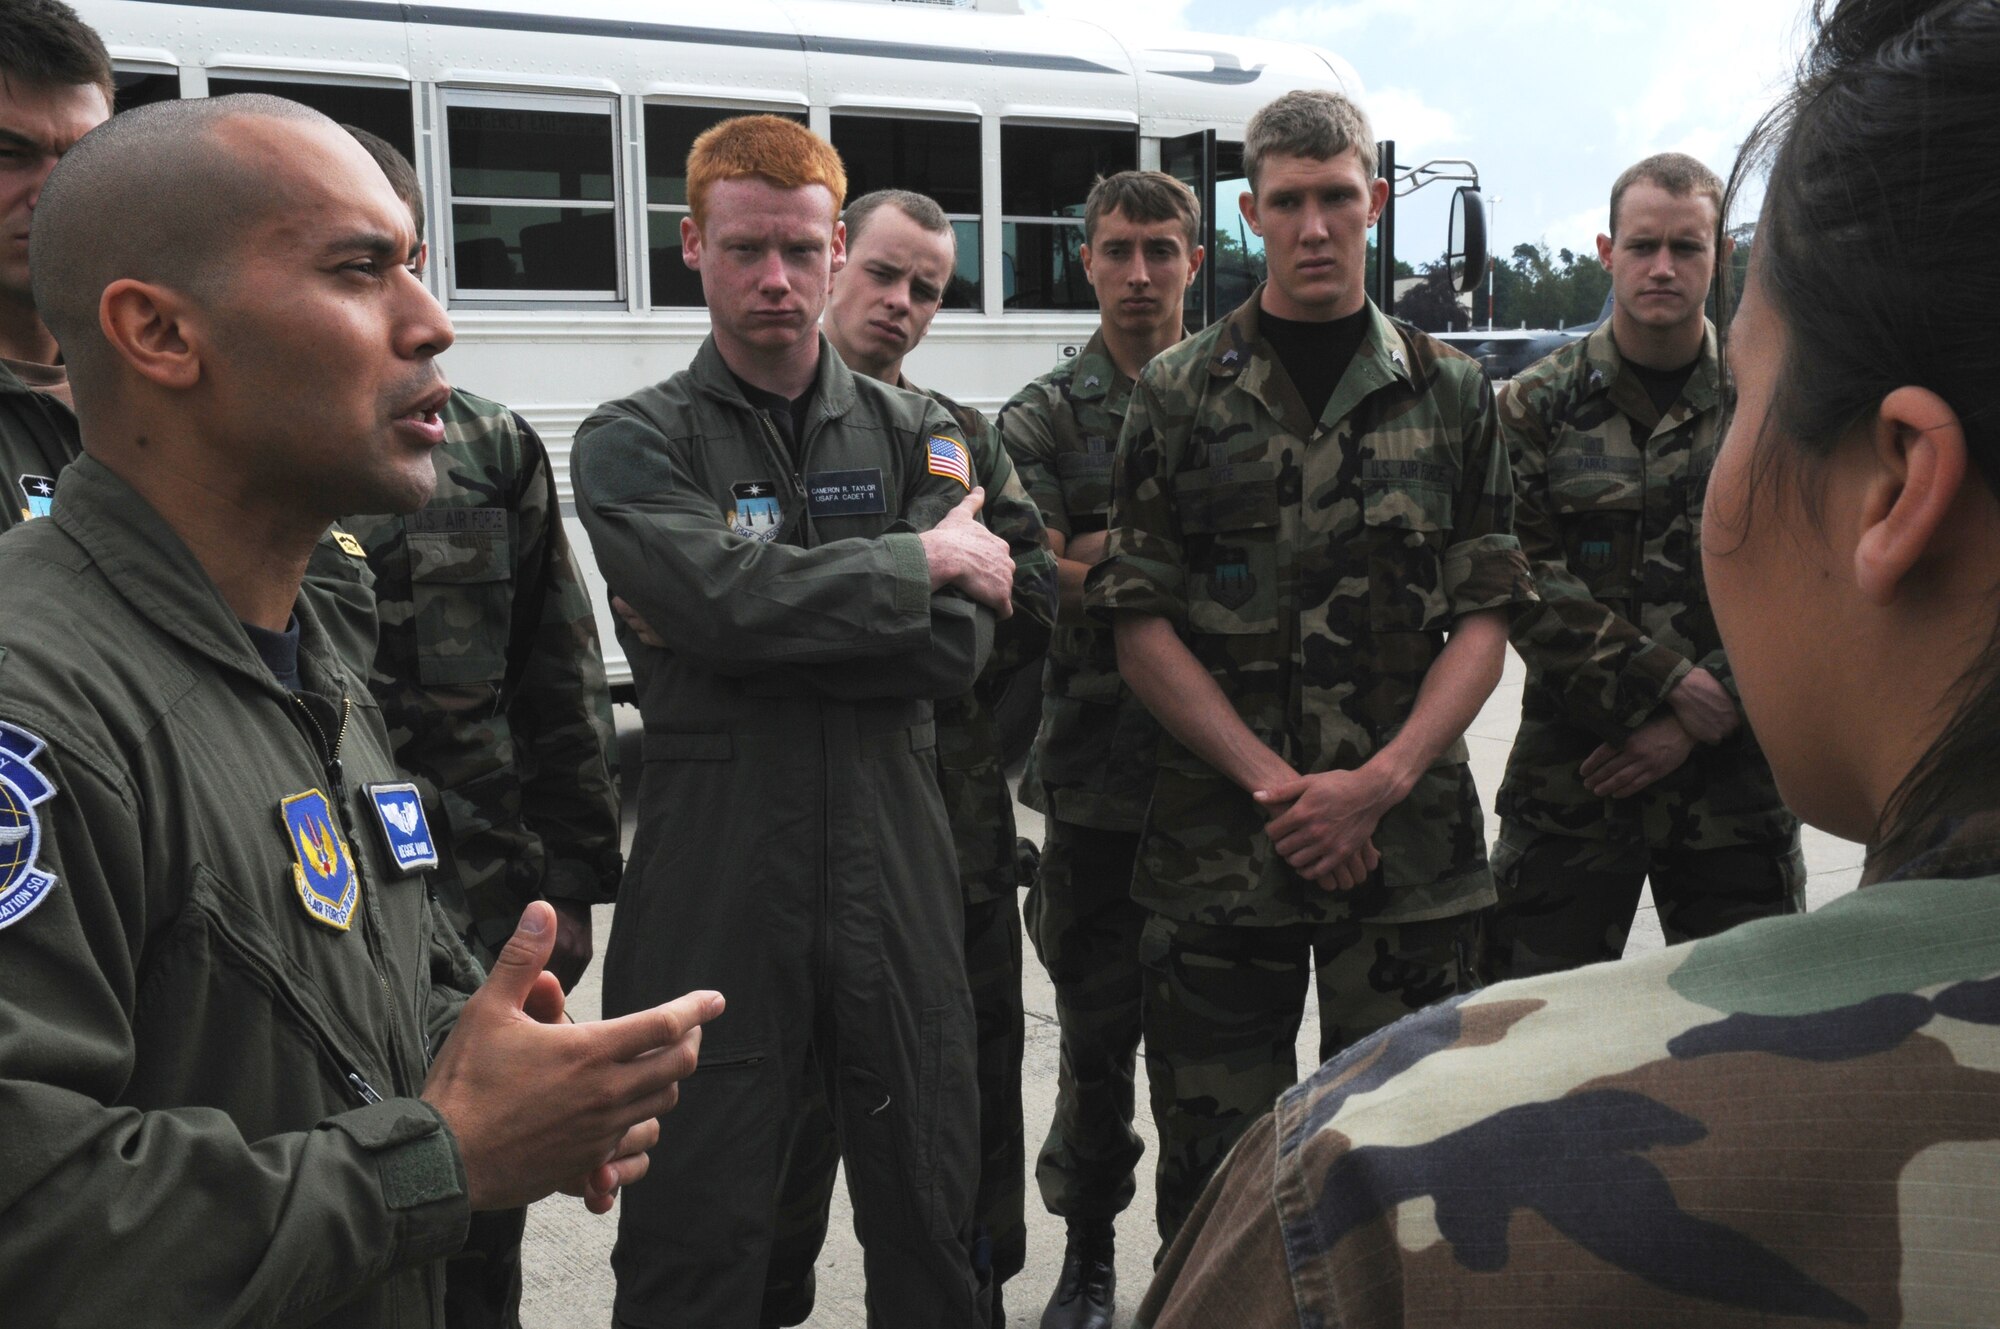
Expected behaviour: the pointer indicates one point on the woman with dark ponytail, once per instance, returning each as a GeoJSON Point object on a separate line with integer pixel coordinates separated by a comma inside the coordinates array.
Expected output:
{"type": "Point", "coordinates": [1797, 1122]}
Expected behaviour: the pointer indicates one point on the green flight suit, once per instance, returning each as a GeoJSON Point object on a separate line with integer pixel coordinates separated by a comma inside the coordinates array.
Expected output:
{"type": "Point", "coordinates": [793, 850]}
{"type": "Point", "coordinates": [1609, 493]}
{"type": "Point", "coordinates": [210, 1056]}
{"type": "Point", "coordinates": [981, 811]}
{"type": "Point", "coordinates": [38, 438]}
{"type": "Point", "coordinates": [1314, 568]}
{"type": "Point", "coordinates": [1090, 772]}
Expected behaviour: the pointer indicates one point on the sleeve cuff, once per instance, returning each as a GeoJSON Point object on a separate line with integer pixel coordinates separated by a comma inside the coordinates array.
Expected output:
{"type": "Point", "coordinates": [421, 1174]}
{"type": "Point", "coordinates": [1643, 686]}
{"type": "Point", "coordinates": [913, 573]}
{"type": "Point", "coordinates": [571, 881]}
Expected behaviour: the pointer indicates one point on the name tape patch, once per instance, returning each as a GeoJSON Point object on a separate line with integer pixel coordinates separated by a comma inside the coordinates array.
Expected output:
{"type": "Point", "coordinates": [22, 790]}
{"type": "Point", "coordinates": [845, 493]}
{"type": "Point", "coordinates": [405, 828]}
{"type": "Point", "coordinates": [322, 868]}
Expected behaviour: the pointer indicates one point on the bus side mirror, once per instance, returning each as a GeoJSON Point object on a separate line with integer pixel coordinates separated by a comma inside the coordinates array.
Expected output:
{"type": "Point", "coordinates": [1465, 250]}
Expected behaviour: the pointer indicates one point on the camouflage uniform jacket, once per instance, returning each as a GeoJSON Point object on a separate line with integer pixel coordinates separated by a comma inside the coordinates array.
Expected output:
{"type": "Point", "coordinates": [1608, 507]}
{"type": "Point", "coordinates": [968, 736]}
{"type": "Point", "coordinates": [1313, 568]}
{"type": "Point", "coordinates": [491, 678]}
{"type": "Point", "coordinates": [1795, 1122]}
{"type": "Point", "coordinates": [1092, 763]}
{"type": "Point", "coordinates": [38, 437]}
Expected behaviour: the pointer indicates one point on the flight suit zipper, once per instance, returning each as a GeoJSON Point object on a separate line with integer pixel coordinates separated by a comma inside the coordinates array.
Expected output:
{"type": "Point", "coordinates": [372, 932]}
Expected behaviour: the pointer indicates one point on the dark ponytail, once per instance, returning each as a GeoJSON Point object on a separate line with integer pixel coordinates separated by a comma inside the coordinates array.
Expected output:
{"type": "Point", "coordinates": [1879, 247]}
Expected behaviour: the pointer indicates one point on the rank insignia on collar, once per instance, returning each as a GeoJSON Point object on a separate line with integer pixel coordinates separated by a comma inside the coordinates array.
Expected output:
{"type": "Point", "coordinates": [350, 546]}
{"type": "Point", "coordinates": [1229, 356]}
{"type": "Point", "coordinates": [1092, 381]}
{"type": "Point", "coordinates": [1397, 357]}
{"type": "Point", "coordinates": [22, 789]}
{"type": "Point", "coordinates": [40, 491]}
{"type": "Point", "coordinates": [322, 867]}
{"type": "Point", "coordinates": [405, 828]}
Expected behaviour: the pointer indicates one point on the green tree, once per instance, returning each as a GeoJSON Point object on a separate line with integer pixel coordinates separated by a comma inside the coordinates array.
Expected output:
{"type": "Point", "coordinates": [1433, 305]}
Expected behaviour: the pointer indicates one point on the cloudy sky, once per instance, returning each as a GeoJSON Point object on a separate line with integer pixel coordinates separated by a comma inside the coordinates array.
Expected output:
{"type": "Point", "coordinates": [1552, 98]}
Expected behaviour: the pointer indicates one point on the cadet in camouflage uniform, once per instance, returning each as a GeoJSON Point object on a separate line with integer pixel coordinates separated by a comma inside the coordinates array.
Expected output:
{"type": "Point", "coordinates": [55, 87]}
{"type": "Point", "coordinates": [1091, 768]}
{"type": "Point", "coordinates": [901, 254]}
{"type": "Point", "coordinates": [1284, 573]}
{"type": "Point", "coordinates": [491, 679]}
{"type": "Point", "coordinates": [1632, 761]}
{"type": "Point", "coordinates": [1796, 1122]}
{"type": "Point", "coordinates": [793, 532]}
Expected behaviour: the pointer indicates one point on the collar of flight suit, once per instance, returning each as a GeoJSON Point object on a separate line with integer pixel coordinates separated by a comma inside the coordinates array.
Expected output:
{"type": "Point", "coordinates": [833, 381]}
{"type": "Point", "coordinates": [1241, 354]}
{"type": "Point", "coordinates": [1702, 391]}
{"type": "Point", "coordinates": [151, 567]}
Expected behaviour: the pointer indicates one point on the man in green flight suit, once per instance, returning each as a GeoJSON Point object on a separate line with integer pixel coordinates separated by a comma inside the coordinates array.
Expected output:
{"type": "Point", "coordinates": [55, 87]}
{"type": "Point", "coordinates": [799, 536]}
{"type": "Point", "coordinates": [1311, 559]}
{"type": "Point", "coordinates": [1090, 771]}
{"type": "Point", "coordinates": [492, 682]}
{"type": "Point", "coordinates": [901, 255]}
{"type": "Point", "coordinates": [246, 1082]}
{"type": "Point", "coordinates": [1633, 761]}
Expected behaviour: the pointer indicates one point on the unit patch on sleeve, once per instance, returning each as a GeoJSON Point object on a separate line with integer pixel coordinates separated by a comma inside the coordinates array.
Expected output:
{"type": "Point", "coordinates": [845, 493]}
{"type": "Point", "coordinates": [22, 789]}
{"type": "Point", "coordinates": [39, 491]}
{"type": "Point", "coordinates": [757, 513]}
{"type": "Point", "coordinates": [322, 867]}
{"type": "Point", "coordinates": [949, 457]}
{"type": "Point", "coordinates": [405, 828]}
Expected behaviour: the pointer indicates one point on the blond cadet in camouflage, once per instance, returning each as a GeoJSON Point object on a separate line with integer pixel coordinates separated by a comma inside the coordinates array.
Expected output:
{"type": "Point", "coordinates": [1610, 481]}
{"type": "Point", "coordinates": [1796, 1122]}
{"type": "Point", "coordinates": [1284, 586]}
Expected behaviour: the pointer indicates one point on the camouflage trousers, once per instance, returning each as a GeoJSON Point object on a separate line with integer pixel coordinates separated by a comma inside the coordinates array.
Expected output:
{"type": "Point", "coordinates": [1086, 930]}
{"type": "Point", "coordinates": [1222, 1013]}
{"type": "Point", "coordinates": [1566, 901]}
{"type": "Point", "coordinates": [805, 1197]}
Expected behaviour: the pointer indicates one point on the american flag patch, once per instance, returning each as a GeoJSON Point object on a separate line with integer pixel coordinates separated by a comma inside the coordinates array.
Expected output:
{"type": "Point", "coordinates": [948, 457]}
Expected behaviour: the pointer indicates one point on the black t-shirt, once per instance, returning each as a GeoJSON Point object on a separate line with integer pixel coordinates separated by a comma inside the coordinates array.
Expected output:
{"type": "Point", "coordinates": [1315, 355]}
{"type": "Point", "coordinates": [1663, 385]}
{"type": "Point", "coordinates": [280, 652]}
{"type": "Point", "coordinates": [788, 415]}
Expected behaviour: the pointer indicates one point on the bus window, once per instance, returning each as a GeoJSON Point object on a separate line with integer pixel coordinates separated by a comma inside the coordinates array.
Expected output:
{"type": "Point", "coordinates": [670, 133]}
{"type": "Point", "coordinates": [1045, 176]}
{"type": "Point", "coordinates": [935, 157]}
{"type": "Point", "coordinates": [533, 184]}
{"type": "Point", "coordinates": [384, 112]}
{"type": "Point", "coordinates": [143, 87]}
{"type": "Point", "coordinates": [1239, 252]}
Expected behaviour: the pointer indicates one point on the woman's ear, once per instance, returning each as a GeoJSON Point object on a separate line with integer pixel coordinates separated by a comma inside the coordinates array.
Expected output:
{"type": "Point", "coordinates": [1917, 466]}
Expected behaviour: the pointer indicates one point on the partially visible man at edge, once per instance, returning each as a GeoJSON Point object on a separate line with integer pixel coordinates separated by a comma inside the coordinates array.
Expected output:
{"type": "Point", "coordinates": [55, 87]}
{"type": "Point", "coordinates": [1090, 771]}
{"type": "Point", "coordinates": [798, 536]}
{"type": "Point", "coordinates": [901, 255]}
{"type": "Point", "coordinates": [490, 676]}
{"type": "Point", "coordinates": [248, 1085]}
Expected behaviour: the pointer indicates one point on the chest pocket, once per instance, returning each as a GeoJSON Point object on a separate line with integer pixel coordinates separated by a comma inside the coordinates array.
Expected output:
{"type": "Point", "coordinates": [1407, 522]}
{"type": "Point", "coordinates": [1229, 519]}
{"type": "Point", "coordinates": [461, 588]}
{"type": "Point", "coordinates": [1086, 486]}
{"type": "Point", "coordinates": [1597, 509]}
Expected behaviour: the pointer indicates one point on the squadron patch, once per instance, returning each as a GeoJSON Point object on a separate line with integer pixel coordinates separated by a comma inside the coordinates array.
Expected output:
{"type": "Point", "coordinates": [39, 491]}
{"type": "Point", "coordinates": [405, 828]}
{"type": "Point", "coordinates": [22, 789]}
{"type": "Point", "coordinates": [322, 867]}
{"type": "Point", "coordinates": [948, 457]}
{"type": "Point", "coordinates": [757, 513]}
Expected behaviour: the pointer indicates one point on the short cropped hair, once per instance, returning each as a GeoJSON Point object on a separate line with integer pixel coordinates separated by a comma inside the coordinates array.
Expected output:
{"type": "Point", "coordinates": [401, 175]}
{"type": "Point", "coordinates": [1308, 122]}
{"type": "Point", "coordinates": [1143, 196]}
{"type": "Point", "coordinates": [1675, 172]}
{"type": "Point", "coordinates": [782, 152]}
{"type": "Point", "coordinates": [919, 208]}
{"type": "Point", "coordinates": [44, 44]}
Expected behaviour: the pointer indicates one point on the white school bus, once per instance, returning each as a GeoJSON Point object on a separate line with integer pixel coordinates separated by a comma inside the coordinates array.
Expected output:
{"type": "Point", "coordinates": [551, 144]}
